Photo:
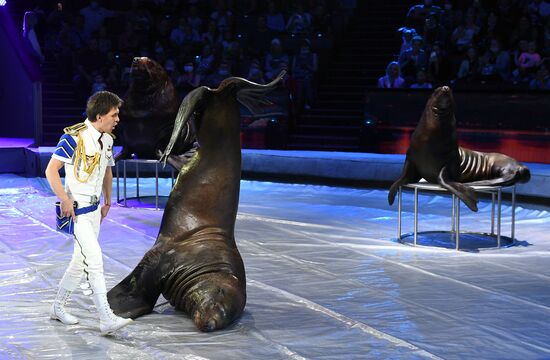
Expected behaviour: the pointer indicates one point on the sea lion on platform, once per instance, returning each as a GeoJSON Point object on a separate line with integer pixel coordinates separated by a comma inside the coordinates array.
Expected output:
{"type": "Point", "coordinates": [434, 155]}
{"type": "Point", "coordinates": [194, 262]}
{"type": "Point", "coordinates": [148, 113]}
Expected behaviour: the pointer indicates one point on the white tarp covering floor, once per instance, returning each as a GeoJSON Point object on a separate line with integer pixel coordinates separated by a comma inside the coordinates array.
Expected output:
{"type": "Point", "coordinates": [325, 280]}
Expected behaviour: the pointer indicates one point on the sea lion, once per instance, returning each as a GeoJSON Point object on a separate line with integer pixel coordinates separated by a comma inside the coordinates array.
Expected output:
{"type": "Point", "coordinates": [148, 113]}
{"type": "Point", "coordinates": [434, 155]}
{"type": "Point", "coordinates": [489, 169]}
{"type": "Point", "coordinates": [194, 262]}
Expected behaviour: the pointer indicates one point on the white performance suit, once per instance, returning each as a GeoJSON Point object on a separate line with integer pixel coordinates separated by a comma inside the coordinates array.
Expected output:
{"type": "Point", "coordinates": [87, 258]}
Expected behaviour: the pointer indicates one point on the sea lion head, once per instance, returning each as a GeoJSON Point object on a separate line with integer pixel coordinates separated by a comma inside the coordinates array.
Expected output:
{"type": "Point", "coordinates": [441, 104]}
{"type": "Point", "coordinates": [523, 174]}
{"type": "Point", "coordinates": [146, 73]}
{"type": "Point", "coordinates": [216, 300]}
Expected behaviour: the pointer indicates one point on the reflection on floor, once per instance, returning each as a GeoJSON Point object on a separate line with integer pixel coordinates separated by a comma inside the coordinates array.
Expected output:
{"type": "Point", "coordinates": [325, 280]}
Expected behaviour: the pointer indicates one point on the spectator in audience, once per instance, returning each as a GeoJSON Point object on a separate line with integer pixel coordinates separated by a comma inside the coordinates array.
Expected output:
{"type": "Point", "coordinates": [469, 68]}
{"type": "Point", "coordinates": [205, 61]}
{"type": "Point", "coordinates": [299, 22]}
{"type": "Point", "coordinates": [463, 36]}
{"type": "Point", "coordinates": [140, 18]}
{"type": "Point", "coordinates": [88, 62]}
{"type": "Point", "coordinates": [260, 39]}
{"type": "Point", "coordinates": [275, 20]}
{"type": "Point", "coordinates": [539, 10]}
{"type": "Point", "coordinates": [163, 29]}
{"type": "Point", "coordinates": [211, 35]}
{"type": "Point", "coordinates": [529, 60]}
{"type": "Point", "coordinates": [255, 72]}
{"type": "Point", "coordinates": [433, 32]}
{"type": "Point", "coordinates": [128, 40]}
{"type": "Point", "coordinates": [524, 31]}
{"type": "Point", "coordinates": [99, 84]}
{"type": "Point", "coordinates": [188, 80]}
{"type": "Point", "coordinates": [222, 16]}
{"type": "Point", "coordinates": [406, 36]}
{"type": "Point", "coordinates": [193, 18]}
{"type": "Point", "coordinates": [495, 62]}
{"type": "Point", "coordinates": [304, 68]}
{"type": "Point", "coordinates": [438, 66]}
{"type": "Point", "coordinates": [30, 19]}
{"type": "Point", "coordinates": [104, 42]}
{"type": "Point", "coordinates": [54, 24]}
{"type": "Point", "coordinates": [541, 81]}
{"type": "Point", "coordinates": [321, 20]}
{"type": "Point", "coordinates": [94, 15]}
{"type": "Point", "coordinates": [113, 79]}
{"type": "Point", "coordinates": [421, 81]}
{"type": "Point", "coordinates": [229, 42]}
{"type": "Point", "coordinates": [507, 15]}
{"type": "Point", "coordinates": [177, 34]}
{"type": "Point", "coordinates": [413, 60]}
{"type": "Point", "coordinates": [479, 12]}
{"type": "Point", "coordinates": [450, 17]}
{"type": "Point", "coordinates": [392, 79]}
{"type": "Point", "coordinates": [418, 13]}
{"type": "Point", "coordinates": [491, 29]}
{"type": "Point", "coordinates": [222, 73]}
{"type": "Point", "coordinates": [275, 59]}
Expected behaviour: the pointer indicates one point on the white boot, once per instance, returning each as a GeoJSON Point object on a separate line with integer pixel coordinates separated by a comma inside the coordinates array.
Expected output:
{"type": "Point", "coordinates": [57, 311]}
{"type": "Point", "coordinates": [108, 321]}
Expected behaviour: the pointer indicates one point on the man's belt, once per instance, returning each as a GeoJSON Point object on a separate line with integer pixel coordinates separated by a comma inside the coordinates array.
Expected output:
{"type": "Point", "coordinates": [65, 223]}
{"type": "Point", "coordinates": [92, 199]}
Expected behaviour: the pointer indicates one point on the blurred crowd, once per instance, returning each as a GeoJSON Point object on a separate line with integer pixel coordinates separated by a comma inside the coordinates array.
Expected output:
{"type": "Point", "coordinates": [197, 42]}
{"type": "Point", "coordinates": [474, 44]}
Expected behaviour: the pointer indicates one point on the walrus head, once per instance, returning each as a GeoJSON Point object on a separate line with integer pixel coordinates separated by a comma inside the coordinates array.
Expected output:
{"type": "Point", "coordinates": [146, 73]}
{"type": "Point", "coordinates": [441, 104]}
{"type": "Point", "coordinates": [212, 310]}
{"type": "Point", "coordinates": [248, 93]}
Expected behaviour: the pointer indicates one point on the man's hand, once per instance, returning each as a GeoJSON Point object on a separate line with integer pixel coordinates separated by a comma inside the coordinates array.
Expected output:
{"type": "Point", "coordinates": [105, 210]}
{"type": "Point", "coordinates": [67, 208]}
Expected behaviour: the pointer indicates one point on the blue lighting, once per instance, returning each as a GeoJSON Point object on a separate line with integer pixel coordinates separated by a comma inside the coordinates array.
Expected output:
{"type": "Point", "coordinates": [3, 2]}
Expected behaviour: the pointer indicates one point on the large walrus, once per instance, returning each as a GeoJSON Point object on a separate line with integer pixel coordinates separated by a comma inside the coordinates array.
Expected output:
{"type": "Point", "coordinates": [148, 113]}
{"type": "Point", "coordinates": [434, 155]}
{"type": "Point", "coordinates": [195, 263]}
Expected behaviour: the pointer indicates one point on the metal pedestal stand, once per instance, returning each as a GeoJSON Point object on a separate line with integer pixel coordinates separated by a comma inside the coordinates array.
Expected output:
{"type": "Point", "coordinates": [137, 163]}
{"type": "Point", "coordinates": [495, 191]}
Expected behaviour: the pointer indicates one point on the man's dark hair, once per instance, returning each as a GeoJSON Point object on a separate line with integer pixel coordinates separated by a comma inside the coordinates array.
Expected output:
{"type": "Point", "coordinates": [101, 103]}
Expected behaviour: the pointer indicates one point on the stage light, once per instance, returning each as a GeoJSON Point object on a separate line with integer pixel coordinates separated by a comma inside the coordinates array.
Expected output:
{"type": "Point", "coordinates": [3, 2]}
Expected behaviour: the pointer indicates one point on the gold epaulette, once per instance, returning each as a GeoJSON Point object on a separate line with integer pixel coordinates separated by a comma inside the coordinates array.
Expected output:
{"type": "Point", "coordinates": [112, 135]}
{"type": "Point", "coordinates": [75, 129]}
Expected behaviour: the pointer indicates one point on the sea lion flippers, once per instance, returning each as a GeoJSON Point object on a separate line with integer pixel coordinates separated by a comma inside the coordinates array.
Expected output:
{"type": "Point", "coordinates": [137, 294]}
{"type": "Point", "coordinates": [408, 175]}
{"type": "Point", "coordinates": [464, 192]}
{"type": "Point", "coordinates": [500, 181]}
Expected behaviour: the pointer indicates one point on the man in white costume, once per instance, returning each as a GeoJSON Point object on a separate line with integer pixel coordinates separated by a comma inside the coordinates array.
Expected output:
{"type": "Point", "coordinates": [86, 153]}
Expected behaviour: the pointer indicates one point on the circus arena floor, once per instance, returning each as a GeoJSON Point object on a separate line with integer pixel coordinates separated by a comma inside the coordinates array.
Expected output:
{"type": "Point", "coordinates": [326, 279]}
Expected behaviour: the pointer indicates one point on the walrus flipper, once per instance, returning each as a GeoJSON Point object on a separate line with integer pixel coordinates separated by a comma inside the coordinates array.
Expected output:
{"type": "Point", "coordinates": [409, 175]}
{"type": "Point", "coordinates": [137, 294]}
{"type": "Point", "coordinates": [464, 192]}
